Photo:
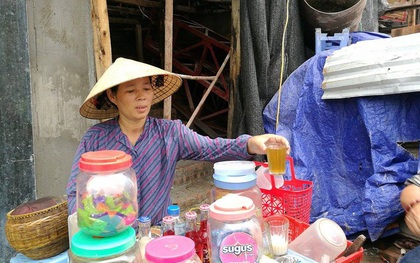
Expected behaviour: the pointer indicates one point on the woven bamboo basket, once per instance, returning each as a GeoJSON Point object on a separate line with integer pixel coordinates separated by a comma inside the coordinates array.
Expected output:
{"type": "Point", "coordinates": [41, 234]}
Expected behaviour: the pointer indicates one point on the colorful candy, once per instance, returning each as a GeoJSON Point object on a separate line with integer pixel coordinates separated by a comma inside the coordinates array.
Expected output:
{"type": "Point", "coordinates": [105, 215]}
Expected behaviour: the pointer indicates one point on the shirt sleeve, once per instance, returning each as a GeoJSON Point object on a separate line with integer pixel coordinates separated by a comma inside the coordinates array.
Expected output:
{"type": "Point", "coordinates": [198, 147]}
{"type": "Point", "coordinates": [414, 180]}
{"type": "Point", "coordinates": [71, 185]}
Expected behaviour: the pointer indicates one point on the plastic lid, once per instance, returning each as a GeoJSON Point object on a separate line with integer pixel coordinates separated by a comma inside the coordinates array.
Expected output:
{"type": "Point", "coordinates": [190, 215]}
{"type": "Point", "coordinates": [144, 219]}
{"type": "Point", "coordinates": [170, 249]}
{"type": "Point", "coordinates": [86, 246]}
{"type": "Point", "coordinates": [205, 207]}
{"type": "Point", "coordinates": [168, 219]}
{"type": "Point", "coordinates": [173, 210]}
{"type": "Point", "coordinates": [234, 168]}
{"type": "Point", "coordinates": [232, 208]}
{"type": "Point", "coordinates": [104, 161]}
{"type": "Point", "coordinates": [235, 182]}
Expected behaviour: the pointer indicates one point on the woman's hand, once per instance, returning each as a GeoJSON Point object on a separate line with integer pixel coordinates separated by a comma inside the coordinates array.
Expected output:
{"type": "Point", "coordinates": [412, 219]}
{"type": "Point", "coordinates": [257, 144]}
{"type": "Point", "coordinates": [410, 201]}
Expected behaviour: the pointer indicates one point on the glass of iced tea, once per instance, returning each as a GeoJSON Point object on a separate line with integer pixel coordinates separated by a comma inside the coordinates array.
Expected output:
{"type": "Point", "coordinates": [276, 157]}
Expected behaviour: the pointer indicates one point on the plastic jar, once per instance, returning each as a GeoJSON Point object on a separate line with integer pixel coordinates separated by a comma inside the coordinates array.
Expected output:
{"type": "Point", "coordinates": [121, 248]}
{"type": "Point", "coordinates": [323, 238]}
{"type": "Point", "coordinates": [106, 193]}
{"type": "Point", "coordinates": [234, 231]}
{"type": "Point", "coordinates": [171, 249]}
{"type": "Point", "coordinates": [239, 178]}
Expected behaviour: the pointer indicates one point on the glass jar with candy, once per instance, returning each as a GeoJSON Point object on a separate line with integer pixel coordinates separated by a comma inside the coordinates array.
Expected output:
{"type": "Point", "coordinates": [106, 193]}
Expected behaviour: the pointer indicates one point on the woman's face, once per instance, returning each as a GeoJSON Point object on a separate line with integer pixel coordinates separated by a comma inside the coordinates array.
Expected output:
{"type": "Point", "coordinates": [133, 98]}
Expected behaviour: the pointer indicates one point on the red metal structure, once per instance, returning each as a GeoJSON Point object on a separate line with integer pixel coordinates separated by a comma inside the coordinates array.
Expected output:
{"type": "Point", "coordinates": [198, 51]}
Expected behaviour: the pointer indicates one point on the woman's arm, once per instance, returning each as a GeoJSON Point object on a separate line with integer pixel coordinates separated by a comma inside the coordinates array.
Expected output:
{"type": "Point", "coordinates": [71, 185]}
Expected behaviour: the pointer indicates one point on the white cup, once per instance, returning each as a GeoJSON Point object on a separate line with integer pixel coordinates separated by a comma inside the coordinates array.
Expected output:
{"type": "Point", "coordinates": [279, 233]}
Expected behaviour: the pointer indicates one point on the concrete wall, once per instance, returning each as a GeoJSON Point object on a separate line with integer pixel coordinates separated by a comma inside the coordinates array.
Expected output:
{"type": "Point", "coordinates": [46, 71]}
{"type": "Point", "coordinates": [61, 67]}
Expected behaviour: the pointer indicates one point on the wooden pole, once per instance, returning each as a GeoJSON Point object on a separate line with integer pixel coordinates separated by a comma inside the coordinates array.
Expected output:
{"type": "Point", "coordinates": [139, 43]}
{"type": "Point", "coordinates": [167, 103]}
{"type": "Point", "coordinates": [235, 62]}
{"type": "Point", "coordinates": [203, 99]}
{"type": "Point", "coordinates": [101, 36]}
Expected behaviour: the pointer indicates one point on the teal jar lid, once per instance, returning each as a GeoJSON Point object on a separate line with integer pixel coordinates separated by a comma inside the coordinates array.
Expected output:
{"type": "Point", "coordinates": [83, 245]}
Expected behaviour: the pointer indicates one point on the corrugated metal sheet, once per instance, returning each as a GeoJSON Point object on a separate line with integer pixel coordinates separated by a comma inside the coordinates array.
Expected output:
{"type": "Point", "coordinates": [373, 67]}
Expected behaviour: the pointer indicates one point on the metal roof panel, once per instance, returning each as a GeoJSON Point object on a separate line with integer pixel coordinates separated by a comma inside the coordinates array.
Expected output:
{"type": "Point", "coordinates": [373, 67]}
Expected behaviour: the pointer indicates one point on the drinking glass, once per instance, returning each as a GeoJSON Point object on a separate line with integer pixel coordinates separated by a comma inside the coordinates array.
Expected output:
{"type": "Point", "coordinates": [276, 157]}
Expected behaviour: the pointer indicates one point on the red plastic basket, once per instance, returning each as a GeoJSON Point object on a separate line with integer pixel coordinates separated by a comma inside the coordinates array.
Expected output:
{"type": "Point", "coordinates": [294, 198]}
{"type": "Point", "coordinates": [296, 227]}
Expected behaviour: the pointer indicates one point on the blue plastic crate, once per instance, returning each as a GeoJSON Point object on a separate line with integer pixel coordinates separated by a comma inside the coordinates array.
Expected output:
{"type": "Point", "coordinates": [325, 42]}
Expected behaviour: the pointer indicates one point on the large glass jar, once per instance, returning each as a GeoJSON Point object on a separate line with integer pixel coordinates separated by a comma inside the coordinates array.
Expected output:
{"type": "Point", "coordinates": [106, 193]}
{"type": "Point", "coordinates": [234, 231]}
{"type": "Point", "coordinates": [119, 248]}
{"type": "Point", "coordinates": [237, 178]}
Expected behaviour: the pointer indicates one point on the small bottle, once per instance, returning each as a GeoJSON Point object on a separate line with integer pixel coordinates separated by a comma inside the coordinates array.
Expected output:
{"type": "Point", "coordinates": [168, 226]}
{"type": "Point", "coordinates": [192, 233]}
{"type": "Point", "coordinates": [144, 234]}
{"type": "Point", "coordinates": [174, 211]}
{"type": "Point", "coordinates": [202, 232]}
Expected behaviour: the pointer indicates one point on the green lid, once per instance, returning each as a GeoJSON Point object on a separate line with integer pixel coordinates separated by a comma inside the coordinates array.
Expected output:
{"type": "Point", "coordinates": [83, 245]}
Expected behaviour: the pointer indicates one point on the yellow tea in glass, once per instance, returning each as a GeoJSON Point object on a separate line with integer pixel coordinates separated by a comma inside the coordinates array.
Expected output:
{"type": "Point", "coordinates": [276, 157]}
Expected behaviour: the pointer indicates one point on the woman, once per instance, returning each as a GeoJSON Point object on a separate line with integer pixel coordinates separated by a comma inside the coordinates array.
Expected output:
{"type": "Point", "coordinates": [124, 95]}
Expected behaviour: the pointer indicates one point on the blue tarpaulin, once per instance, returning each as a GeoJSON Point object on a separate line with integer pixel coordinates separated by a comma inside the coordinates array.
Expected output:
{"type": "Point", "coordinates": [348, 148]}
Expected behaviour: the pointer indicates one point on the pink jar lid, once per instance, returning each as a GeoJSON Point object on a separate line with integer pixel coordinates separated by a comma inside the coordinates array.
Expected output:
{"type": "Point", "coordinates": [170, 249]}
{"type": "Point", "coordinates": [232, 208]}
{"type": "Point", "coordinates": [104, 161]}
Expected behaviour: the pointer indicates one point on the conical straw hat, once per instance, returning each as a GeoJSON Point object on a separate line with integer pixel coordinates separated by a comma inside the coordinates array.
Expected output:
{"type": "Point", "coordinates": [97, 106]}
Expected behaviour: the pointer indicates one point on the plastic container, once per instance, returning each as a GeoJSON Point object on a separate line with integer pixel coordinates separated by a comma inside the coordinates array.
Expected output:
{"type": "Point", "coordinates": [175, 211]}
{"type": "Point", "coordinates": [238, 178]}
{"type": "Point", "coordinates": [234, 231]}
{"type": "Point", "coordinates": [72, 225]}
{"type": "Point", "coordinates": [106, 193]}
{"type": "Point", "coordinates": [264, 177]}
{"type": "Point", "coordinates": [323, 238]}
{"type": "Point", "coordinates": [121, 248]}
{"type": "Point", "coordinates": [171, 249]}
{"type": "Point", "coordinates": [296, 227]}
